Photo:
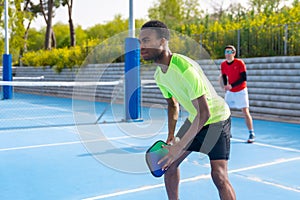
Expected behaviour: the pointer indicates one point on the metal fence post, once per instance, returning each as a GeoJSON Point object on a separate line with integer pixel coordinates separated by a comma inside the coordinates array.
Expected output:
{"type": "Point", "coordinates": [285, 38]}
{"type": "Point", "coordinates": [201, 44]}
{"type": "Point", "coordinates": [238, 42]}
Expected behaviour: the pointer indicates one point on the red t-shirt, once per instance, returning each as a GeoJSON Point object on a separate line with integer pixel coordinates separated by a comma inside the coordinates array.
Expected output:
{"type": "Point", "coordinates": [232, 71]}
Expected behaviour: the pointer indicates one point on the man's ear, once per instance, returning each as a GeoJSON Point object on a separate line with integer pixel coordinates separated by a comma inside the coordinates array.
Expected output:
{"type": "Point", "coordinates": [163, 42]}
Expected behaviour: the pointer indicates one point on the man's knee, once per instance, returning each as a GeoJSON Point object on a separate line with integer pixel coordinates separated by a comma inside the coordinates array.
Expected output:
{"type": "Point", "coordinates": [220, 178]}
{"type": "Point", "coordinates": [171, 170]}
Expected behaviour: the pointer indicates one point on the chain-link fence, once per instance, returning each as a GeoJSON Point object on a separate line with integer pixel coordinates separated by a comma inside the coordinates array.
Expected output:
{"type": "Point", "coordinates": [277, 40]}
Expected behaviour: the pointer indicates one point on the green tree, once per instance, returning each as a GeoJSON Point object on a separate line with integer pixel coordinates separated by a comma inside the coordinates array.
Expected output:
{"type": "Point", "coordinates": [62, 35]}
{"type": "Point", "coordinates": [81, 36]}
{"type": "Point", "coordinates": [111, 28]}
{"type": "Point", "coordinates": [17, 29]}
{"type": "Point", "coordinates": [69, 4]}
{"type": "Point", "coordinates": [169, 11]}
{"type": "Point", "coordinates": [47, 10]}
{"type": "Point", "coordinates": [296, 3]}
{"type": "Point", "coordinates": [35, 40]}
{"type": "Point", "coordinates": [265, 6]}
{"type": "Point", "coordinates": [31, 11]}
{"type": "Point", "coordinates": [191, 12]}
{"type": "Point", "coordinates": [36, 37]}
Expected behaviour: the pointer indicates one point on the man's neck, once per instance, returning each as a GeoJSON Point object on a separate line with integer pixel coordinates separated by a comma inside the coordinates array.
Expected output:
{"type": "Point", "coordinates": [164, 60]}
{"type": "Point", "coordinates": [229, 61]}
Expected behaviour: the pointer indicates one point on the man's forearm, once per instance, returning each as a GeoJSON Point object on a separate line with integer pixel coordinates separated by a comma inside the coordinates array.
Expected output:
{"type": "Point", "coordinates": [240, 80]}
{"type": "Point", "coordinates": [195, 127]}
{"type": "Point", "coordinates": [224, 78]}
{"type": "Point", "coordinates": [173, 111]}
{"type": "Point", "coordinates": [201, 118]}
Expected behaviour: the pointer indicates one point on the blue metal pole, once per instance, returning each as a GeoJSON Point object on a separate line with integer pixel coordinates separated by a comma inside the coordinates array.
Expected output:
{"type": "Point", "coordinates": [7, 58]}
{"type": "Point", "coordinates": [7, 76]}
{"type": "Point", "coordinates": [132, 80]}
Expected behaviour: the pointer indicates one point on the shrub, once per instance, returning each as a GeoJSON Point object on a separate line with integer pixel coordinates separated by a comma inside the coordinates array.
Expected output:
{"type": "Point", "coordinates": [56, 58]}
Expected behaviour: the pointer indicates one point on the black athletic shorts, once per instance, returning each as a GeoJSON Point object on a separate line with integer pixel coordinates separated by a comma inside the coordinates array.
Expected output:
{"type": "Point", "coordinates": [213, 139]}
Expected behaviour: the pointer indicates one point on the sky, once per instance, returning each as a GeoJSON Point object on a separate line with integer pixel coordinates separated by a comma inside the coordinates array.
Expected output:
{"type": "Point", "coordinates": [88, 13]}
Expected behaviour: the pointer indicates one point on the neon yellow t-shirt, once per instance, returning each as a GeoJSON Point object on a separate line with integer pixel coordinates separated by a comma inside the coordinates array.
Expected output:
{"type": "Point", "coordinates": [185, 81]}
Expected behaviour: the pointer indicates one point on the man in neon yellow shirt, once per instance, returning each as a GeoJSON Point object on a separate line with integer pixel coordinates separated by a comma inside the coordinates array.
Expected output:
{"type": "Point", "coordinates": [207, 128]}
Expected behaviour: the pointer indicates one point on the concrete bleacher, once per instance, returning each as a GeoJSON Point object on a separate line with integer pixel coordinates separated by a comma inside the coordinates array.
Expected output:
{"type": "Point", "coordinates": [273, 84]}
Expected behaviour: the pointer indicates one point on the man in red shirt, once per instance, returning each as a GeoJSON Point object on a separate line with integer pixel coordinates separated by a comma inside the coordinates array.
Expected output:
{"type": "Point", "coordinates": [233, 72]}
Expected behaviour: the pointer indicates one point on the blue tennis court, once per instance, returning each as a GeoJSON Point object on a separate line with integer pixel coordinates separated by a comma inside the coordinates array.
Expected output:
{"type": "Point", "coordinates": [44, 155]}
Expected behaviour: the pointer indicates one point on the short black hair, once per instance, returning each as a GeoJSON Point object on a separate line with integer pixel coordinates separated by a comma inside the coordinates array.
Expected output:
{"type": "Point", "coordinates": [230, 47]}
{"type": "Point", "coordinates": [161, 28]}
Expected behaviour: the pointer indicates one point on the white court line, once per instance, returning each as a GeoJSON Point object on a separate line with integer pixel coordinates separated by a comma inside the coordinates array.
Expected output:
{"type": "Point", "coordinates": [127, 137]}
{"type": "Point", "coordinates": [269, 145]}
{"type": "Point", "coordinates": [144, 188]}
{"type": "Point", "coordinates": [59, 144]}
{"type": "Point", "coordinates": [256, 179]}
{"type": "Point", "coordinates": [207, 176]}
{"type": "Point", "coordinates": [38, 146]}
{"type": "Point", "coordinates": [35, 118]}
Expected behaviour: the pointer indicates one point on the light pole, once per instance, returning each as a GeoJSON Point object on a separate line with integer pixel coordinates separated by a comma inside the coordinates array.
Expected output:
{"type": "Point", "coordinates": [131, 21]}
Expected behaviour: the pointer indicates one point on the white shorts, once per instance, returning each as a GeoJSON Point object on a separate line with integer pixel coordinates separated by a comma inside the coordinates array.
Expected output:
{"type": "Point", "coordinates": [237, 100]}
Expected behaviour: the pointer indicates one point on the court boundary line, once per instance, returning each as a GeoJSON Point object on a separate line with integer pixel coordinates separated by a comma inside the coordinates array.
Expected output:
{"type": "Point", "coordinates": [126, 137]}
{"type": "Point", "coordinates": [206, 176]}
{"type": "Point", "coordinates": [268, 145]}
{"type": "Point", "coordinates": [54, 144]}
{"type": "Point", "coordinates": [257, 179]}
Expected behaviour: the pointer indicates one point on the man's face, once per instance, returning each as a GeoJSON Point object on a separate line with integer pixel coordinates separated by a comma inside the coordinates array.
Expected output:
{"type": "Point", "coordinates": [150, 44]}
{"type": "Point", "coordinates": [229, 54]}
